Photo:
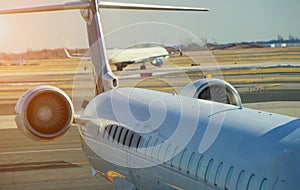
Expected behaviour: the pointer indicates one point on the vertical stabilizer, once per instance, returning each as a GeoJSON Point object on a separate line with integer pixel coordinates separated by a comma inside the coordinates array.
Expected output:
{"type": "Point", "coordinates": [105, 79]}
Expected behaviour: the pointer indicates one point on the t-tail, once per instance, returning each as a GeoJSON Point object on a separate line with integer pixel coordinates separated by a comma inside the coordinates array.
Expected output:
{"type": "Point", "coordinates": [105, 79]}
{"type": "Point", "coordinates": [40, 99]}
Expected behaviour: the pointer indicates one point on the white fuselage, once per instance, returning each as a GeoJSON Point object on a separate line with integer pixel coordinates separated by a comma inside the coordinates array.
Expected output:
{"type": "Point", "coordinates": [156, 140]}
{"type": "Point", "coordinates": [135, 54]}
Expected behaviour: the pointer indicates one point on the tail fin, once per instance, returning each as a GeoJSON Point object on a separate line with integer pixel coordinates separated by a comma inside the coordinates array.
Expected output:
{"type": "Point", "coordinates": [90, 11]}
{"type": "Point", "coordinates": [105, 78]}
{"type": "Point", "coordinates": [68, 54]}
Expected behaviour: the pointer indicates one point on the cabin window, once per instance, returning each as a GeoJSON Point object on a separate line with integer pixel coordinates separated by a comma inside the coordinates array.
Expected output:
{"type": "Point", "coordinates": [106, 130]}
{"type": "Point", "coordinates": [174, 156]}
{"type": "Point", "coordinates": [128, 138]}
{"type": "Point", "coordinates": [115, 133]}
{"type": "Point", "coordinates": [134, 141]}
{"type": "Point", "coordinates": [131, 138]}
{"type": "Point", "coordinates": [218, 173]}
{"type": "Point", "coordinates": [228, 178]}
{"type": "Point", "coordinates": [138, 143]}
{"type": "Point", "coordinates": [181, 159]}
{"type": "Point", "coordinates": [155, 143]}
{"type": "Point", "coordinates": [120, 135]}
{"type": "Point", "coordinates": [263, 184]}
{"type": "Point", "coordinates": [198, 168]}
{"type": "Point", "coordinates": [111, 131]}
{"type": "Point", "coordinates": [208, 170]}
{"type": "Point", "coordinates": [147, 144]}
{"type": "Point", "coordinates": [159, 155]}
{"type": "Point", "coordinates": [148, 141]}
{"type": "Point", "coordinates": [240, 180]}
{"type": "Point", "coordinates": [190, 163]}
{"type": "Point", "coordinates": [125, 137]}
{"type": "Point", "coordinates": [165, 156]}
{"type": "Point", "coordinates": [250, 182]}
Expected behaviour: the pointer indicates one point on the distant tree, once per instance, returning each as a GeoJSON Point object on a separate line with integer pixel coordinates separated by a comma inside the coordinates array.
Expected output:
{"type": "Point", "coordinates": [39, 54]}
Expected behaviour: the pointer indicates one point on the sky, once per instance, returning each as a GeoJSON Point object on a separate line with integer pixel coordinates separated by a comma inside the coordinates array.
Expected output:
{"type": "Point", "coordinates": [227, 21]}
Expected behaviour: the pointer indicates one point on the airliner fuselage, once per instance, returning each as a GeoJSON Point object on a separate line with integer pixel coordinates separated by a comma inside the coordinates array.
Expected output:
{"type": "Point", "coordinates": [251, 150]}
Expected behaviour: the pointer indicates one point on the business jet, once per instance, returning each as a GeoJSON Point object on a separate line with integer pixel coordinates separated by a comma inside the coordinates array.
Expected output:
{"type": "Point", "coordinates": [202, 138]}
{"type": "Point", "coordinates": [121, 58]}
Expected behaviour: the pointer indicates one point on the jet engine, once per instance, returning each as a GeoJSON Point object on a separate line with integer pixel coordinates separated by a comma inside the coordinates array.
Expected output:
{"type": "Point", "coordinates": [214, 90]}
{"type": "Point", "coordinates": [44, 113]}
{"type": "Point", "coordinates": [158, 62]}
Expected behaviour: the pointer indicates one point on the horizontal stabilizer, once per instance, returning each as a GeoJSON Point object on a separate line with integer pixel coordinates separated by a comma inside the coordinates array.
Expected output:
{"type": "Point", "coordinates": [105, 5]}
{"type": "Point", "coordinates": [46, 8]}
{"type": "Point", "coordinates": [132, 6]}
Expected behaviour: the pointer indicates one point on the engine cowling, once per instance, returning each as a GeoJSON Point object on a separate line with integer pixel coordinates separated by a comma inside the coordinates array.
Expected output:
{"type": "Point", "coordinates": [44, 113]}
{"type": "Point", "coordinates": [214, 90]}
{"type": "Point", "coordinates": [158, 62]}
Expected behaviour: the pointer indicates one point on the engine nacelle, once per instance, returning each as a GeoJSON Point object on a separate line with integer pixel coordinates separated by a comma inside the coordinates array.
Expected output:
{"type": "Point", "coordinates": [213, 89]}
{"type": "Point", "coordinates": [44, 113]}
{"type": "Point", "coordinates": [158, 62]}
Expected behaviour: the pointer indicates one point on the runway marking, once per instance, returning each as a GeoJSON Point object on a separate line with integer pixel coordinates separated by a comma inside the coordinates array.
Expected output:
{"type": "Point", "coordinates": [40, 166]}
{"type": "Point", "coordinates": [39, 151]}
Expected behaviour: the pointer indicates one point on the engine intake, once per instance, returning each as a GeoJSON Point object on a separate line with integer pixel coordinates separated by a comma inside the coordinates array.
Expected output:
{"type": "Point", "coordinates": [158, 62]}
{"type": "Point", "coordinates": [44, 113]}
{"type": "Point", "coordinates": [214, 90]}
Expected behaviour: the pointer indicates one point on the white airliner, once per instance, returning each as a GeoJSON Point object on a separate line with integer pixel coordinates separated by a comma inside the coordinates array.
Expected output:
{"type": "Point", "coordinates": [149, 140]}
{"type": "Point", "coordinates": [123, 57]}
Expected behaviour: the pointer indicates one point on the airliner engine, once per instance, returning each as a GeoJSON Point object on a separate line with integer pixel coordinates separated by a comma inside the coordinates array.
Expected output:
{"type": "Point", "coordinates": [44, 113]}
{"type": "Point", "coordinates": [213, 89]}
{"type": "Point", "coordinates": [158, 62]}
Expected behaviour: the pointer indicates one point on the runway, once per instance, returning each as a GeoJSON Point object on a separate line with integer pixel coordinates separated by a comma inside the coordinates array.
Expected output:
{"type": "Point", "coordinates": [26, 164]}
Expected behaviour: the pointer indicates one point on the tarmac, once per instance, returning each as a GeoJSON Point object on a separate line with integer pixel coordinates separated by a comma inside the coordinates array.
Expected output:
{"type": "Point", "coordinates": [26, 164]}
{"type": "Point", "coordinates": [61, 164]}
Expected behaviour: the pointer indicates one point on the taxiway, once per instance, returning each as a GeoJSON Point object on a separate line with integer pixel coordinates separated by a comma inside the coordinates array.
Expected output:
{"type": "Point", "coordinates": [60, 164]}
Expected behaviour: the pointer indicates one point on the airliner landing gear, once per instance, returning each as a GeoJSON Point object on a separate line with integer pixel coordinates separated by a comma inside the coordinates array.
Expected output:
{"type": "Point", "coordinates": [143, 66]}
{"type": "Point", "coordinates": [119, 67]}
